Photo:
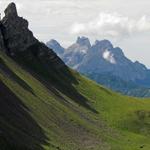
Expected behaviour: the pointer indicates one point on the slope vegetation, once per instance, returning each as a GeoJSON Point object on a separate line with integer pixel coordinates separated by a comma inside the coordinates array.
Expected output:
{"type": "Point", "coordinates": [70, 113]}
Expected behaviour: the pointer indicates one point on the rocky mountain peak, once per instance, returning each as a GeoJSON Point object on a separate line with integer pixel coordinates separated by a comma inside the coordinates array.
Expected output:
{"type": "Point", "coordinates": [103, 57]}
{"type": "Point", "coordinates": [106, 44]}
{"type": "Point", "coordinates": [52, 41]}
{"type": "Point", "coordinates": [83, 41]}
{"type": "Point", "coordinates": [19, 41]}
{"type": "Point", "coordinates": [138, 64]}
{"type": "Point", "coordinates": [15, 31]}
{"type": "Point", "coordinates": [53, 44]}
{"type": "Point", "coordinates": [11, 10]}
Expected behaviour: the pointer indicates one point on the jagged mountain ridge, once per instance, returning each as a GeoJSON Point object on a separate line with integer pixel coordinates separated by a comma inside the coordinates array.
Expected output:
{"type": "Point", "coordinates": [101, 59]}
{"type": "Point", "coordinates": [74, 55]}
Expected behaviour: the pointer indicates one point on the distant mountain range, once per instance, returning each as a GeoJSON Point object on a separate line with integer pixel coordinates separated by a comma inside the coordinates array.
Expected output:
{"type": "Point", "coordinates": [106, 64]}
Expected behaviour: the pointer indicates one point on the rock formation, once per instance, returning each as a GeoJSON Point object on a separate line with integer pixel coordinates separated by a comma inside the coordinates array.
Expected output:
{"type": "Point", "coordinates": [83, 41]}
{"type": "Point", "coordinates": [102, 57]}
{"type": "Point", "coordinates": [75, 54]}
{"type": "Point", "coordinates": [16, 38]}
{"type": "Point", "coordinates": [2, 45]}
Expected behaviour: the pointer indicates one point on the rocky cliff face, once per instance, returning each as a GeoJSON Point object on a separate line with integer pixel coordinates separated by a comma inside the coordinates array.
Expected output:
{"type": "Point", "coordinates": [104, 58]}
{"type": "Point", "coordinates": [16, 38]}
{"type": "Point", "coordinates": [2, 45]}
{"type": "Point", "coordinates": [74, 55]}
{"type": "Point", "coordinates": [15, 31]}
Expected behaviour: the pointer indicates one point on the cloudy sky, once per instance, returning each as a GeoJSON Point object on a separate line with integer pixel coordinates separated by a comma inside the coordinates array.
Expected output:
{"type": "Point", "coordinates": [125, 22]}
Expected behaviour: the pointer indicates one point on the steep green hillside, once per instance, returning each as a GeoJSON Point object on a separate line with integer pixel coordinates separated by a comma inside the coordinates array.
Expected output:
{"type": "Point", "coordinates": [62, 110]}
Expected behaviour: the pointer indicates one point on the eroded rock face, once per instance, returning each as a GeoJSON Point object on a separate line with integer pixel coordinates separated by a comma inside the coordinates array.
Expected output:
{"type": "Point", "coordinates": [15, 31]}
{"type": "Point", "coordinates": [11, 10]}
{"type": "Point", "coordinates": [2, 45]}
{"type": "Point", "coordinates": [75, 54]}
{"type": "Point", "coordinates": [17, 38]}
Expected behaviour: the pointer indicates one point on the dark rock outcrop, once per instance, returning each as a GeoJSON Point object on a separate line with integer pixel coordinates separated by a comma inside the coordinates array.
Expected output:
{"type": "Point", "coordinates": [11, 10]}
{"type": "Point", "coordinates": [18, 39]}
{"type": "Point", "coordinates": [15, 31]}
{"type": "Point", "coordinates": [2, 45]}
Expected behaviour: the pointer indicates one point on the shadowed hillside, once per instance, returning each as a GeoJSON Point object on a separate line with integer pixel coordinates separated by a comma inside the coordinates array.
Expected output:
{"type": "Point", "coordinates": [18, 130]}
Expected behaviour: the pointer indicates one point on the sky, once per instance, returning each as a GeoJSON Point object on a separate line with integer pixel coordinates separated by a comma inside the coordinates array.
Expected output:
{"type": "Point", "coordinates": [126, 23]}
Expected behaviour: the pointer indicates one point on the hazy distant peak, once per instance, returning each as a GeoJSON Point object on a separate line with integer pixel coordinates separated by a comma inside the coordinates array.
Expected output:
{"type": "Point", "coordinates": [54, 45]}
{"type": "Point", "coordinates": [53, 41]}
{"type": "Point", "coordinates": [105, 43]}
{"type": "Point", "coordinates": [83, 41]}
{"type": "Point", "coordinates": [137, 63]}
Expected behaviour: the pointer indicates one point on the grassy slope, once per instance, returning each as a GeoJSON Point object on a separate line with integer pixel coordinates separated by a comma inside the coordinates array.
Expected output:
{"type": "Point", "coordinates": [54, 120]}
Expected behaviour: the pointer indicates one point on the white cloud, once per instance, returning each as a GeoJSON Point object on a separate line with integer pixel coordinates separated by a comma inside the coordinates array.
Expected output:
{"type": "Point", "coordinates": [112, 25]}
{"type": "Point", "coordinates": [108, 56]}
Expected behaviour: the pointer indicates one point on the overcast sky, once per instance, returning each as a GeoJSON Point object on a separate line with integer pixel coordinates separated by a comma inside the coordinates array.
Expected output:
{"type": "Point", "coordinates": [126, 23]}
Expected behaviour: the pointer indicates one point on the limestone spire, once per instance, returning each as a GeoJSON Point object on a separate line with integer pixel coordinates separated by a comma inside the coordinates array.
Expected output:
{"type": "Point", "coordinates": [11, 10]}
